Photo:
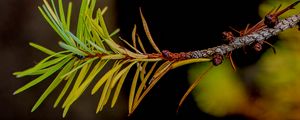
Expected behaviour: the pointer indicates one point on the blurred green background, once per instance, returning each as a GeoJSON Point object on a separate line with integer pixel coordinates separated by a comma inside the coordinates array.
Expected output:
{"type": "Point", "coordinates": [265, 86]}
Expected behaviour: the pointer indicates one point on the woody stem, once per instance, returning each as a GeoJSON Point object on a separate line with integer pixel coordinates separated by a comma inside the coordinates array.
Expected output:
{"type": "Point", "coordinates": [246, 40]}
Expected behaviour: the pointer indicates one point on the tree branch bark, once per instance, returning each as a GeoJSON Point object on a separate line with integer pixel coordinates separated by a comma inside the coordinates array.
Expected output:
{"type": "Point", "coordinates": [247, 40]}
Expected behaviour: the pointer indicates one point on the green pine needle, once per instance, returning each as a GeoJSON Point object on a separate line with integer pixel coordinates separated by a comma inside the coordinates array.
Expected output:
{"type": "Point", "coordinates": [41, 48]}
{"type": "Point", "coordinates": [54, 84]}
{"type": "Point", "coordinates": [42, 77]}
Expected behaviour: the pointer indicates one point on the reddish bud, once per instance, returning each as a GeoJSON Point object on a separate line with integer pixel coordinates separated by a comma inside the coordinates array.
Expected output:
{"type": "Point", "coordinates": [217, 59]}
{"type": "Point", "coordinates": [257, 47]}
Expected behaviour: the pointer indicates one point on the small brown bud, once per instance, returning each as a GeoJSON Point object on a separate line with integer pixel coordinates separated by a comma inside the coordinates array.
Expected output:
{"type": "Point", "coordinates": [217, 59]}
{"type": "Point", "coordinates": [257, 47]}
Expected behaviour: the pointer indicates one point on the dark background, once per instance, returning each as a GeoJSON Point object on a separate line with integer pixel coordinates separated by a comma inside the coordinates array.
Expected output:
{"type": "Point", "coordinates": [175, 26]}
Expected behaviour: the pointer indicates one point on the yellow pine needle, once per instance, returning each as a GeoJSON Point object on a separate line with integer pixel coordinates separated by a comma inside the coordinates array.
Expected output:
{"type": "Point", "coordinates": [143, 71]}
{"type": "Point", "coordinates": [62, 14]}
{"type": "Point", "coordinates": [132, 89]}
{"type": "Point", "coordinates": [114, 32]}
{"type": "Point", "coordinates": [66, 109]}
{"type": "Point", "coordinates": [189, 61]}
{"type": "Point", "coordinates": [123, 71]}
{"type": "Point", "coordinates": [104, 10]}
{"type": "Point", "coordinates": [154, 80]}
{"type": "Point", "coordinates": [147, 60]}
{"type": "Point", "coordinates": [141, 44]}
{"type": "Point", "coordinates": [99, 66]}
{"type": "Point", "coordinates": [143, 84]}
{"type": "Point", "coordinates": [107, 89]}
{"type": "Point", "coordinates": [106, 77]}
{"type": "Point", "coordinates": [150, 72]}
{"type": "Point", "coordinates": [193, 86]}
{"type": "Point", "coordinates": [113, 56]}
{"type": "Point", "coordinates": [128, 44]}
{"type": "Point", "coordinates": [122, 50]}
{"type": "Point", "coordinates": [162, 67]}
{"type": "Point", "coordinates": [78, 81]}
{"type": "Point", "coordinates": [78, 67]}
{"type": "Point", "coordinates": [147, 31]}
{"type": "Point", "coordinates": [119, 86]}
{"type": "Point", "coordinates": [133, 36]}
{"type": "Point", "coordinates": [104, 94]}
{"type": "Point", "coordinates": [69, 15]}
{"type": "Point", "coordinates": [107, 95]}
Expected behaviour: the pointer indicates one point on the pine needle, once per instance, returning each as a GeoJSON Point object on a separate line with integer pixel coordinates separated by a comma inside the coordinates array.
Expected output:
{"type": "Point", "coordinates": [120, 84]}
{"type": "Point", "coordinates": [42, 77]}
{"type": "Point", "coordinates": [64, 90]}
{"type": "Point", "coordinates": [132, 89]}
{"type": "Point", "coordinates": [147, 31]}
{"type": "Point", "coordinates": [154, 80]}
{"type": "Point", "coordinates": [193, 86]}
{"type": "Point", "coordinates": [43, 49]}
{"type": "Point", "coordinates": [53, 85]}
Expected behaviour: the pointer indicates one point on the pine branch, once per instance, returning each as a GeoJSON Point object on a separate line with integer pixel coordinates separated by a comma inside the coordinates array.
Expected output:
{"type": "Point", "coordinates": [247, 40]}
{"type": "Point", "coordinates": [88, 51]}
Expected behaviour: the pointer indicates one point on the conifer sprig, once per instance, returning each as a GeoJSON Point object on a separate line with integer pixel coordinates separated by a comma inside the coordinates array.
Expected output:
{"type": "Point", "coordinates": [92, 47]}
{"type": "Point", "coordinates": [87, 52]}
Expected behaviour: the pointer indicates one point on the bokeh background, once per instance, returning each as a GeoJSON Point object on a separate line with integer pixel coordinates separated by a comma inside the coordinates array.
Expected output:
{"type": "Point", "coordinates": [265, 86]}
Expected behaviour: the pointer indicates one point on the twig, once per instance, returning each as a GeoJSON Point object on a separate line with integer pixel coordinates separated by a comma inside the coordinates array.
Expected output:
{"type": "Point", "coordinates": [247, 40]}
